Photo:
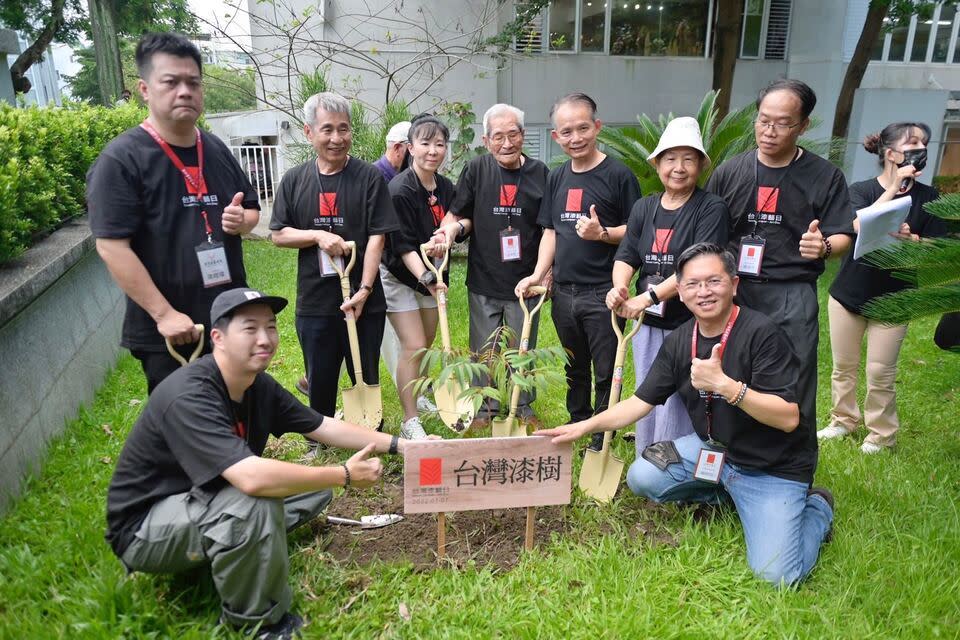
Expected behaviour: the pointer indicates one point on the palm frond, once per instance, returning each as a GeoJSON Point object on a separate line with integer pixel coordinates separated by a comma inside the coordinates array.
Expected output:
{"type": "Point", "coordinates": [947, 206]}
{"type": "Point", "coordinates": [907, 305]}
{"type": "Point", "coordinates": [928, 263]}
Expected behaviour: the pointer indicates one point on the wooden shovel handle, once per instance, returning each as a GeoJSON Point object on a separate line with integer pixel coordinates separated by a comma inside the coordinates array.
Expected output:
{"type": "Point", "coordinates": [345, 272]}
{"type": "Point", "coordinates": [537, 290]}
{"type": "Point", "coordinates": [193, 356]}
{"type": "Point", "coordinates": [427, 260]}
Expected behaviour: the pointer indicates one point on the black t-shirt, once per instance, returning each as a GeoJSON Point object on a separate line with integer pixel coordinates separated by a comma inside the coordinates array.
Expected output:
{"type": "Point", "coordinates": [418, 220]}
{"type": "Point", "coordinates": [759, 354]}
{"type": "Point", "coordinates": [354, 204]}
{"type": "Point", "coordinates": [656, 237]}
{"type": "Point", "coordinates": [494, 197]}
{"type": "Point", "coordinates": [613, 188]}
{"type": "Point", "coordinates": [188, 434]}
{"type": "Point", "coordinates": [134, 191]}
{"type": "Point", "coordinates": [857, 282]}
{"type": "Point", "coordinates": [786, 200]}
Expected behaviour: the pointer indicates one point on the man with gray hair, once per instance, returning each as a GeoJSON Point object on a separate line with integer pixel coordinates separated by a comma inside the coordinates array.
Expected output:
{"type": "Point", "coordinates": [320, 206]}
{"type": "Point", "coordinates": [496, 206]}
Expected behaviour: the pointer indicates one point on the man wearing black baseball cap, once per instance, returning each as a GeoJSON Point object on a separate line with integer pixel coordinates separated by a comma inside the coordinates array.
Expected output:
{"type": "Point", "coordinates": [191, 487]}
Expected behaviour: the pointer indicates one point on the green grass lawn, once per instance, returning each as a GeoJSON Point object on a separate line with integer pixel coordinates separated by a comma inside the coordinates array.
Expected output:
{"type": "Point", "coordinates": [892, 570]}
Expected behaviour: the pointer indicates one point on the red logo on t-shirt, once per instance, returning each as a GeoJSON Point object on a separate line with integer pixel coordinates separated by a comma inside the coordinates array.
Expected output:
{"type": "Point", "coordinates": [328, 205]}
{"type": "Point", "coordinates": [438, 213]}
{"type": "Point", "coordinates": [574, 199]}
{"type": "Point", "coordinates": [197, 179]}
{"type": "Point", "coordinates": [431, 470]}
{"type": "Point", "coordinates": [767, 199]}
{"type": "Point", "coordinates": [662, 241]}
{"type": "Point", "coordinates": [508, 195]}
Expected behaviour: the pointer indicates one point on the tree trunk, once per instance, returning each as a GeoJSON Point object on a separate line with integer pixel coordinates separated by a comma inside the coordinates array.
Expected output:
{"type": "Point", "coordinates": [858, 66]}
{"type": "Point", "coordinates": [727, 34]}
{"type": "Point", "coordinates": [106, 48]}
{"type": "Point", "coordinates": [34, 53]}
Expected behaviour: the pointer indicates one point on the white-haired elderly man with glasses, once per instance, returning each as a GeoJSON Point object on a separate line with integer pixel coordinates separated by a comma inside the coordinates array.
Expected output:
{"type": "Point", "coordinates": [496, 206]}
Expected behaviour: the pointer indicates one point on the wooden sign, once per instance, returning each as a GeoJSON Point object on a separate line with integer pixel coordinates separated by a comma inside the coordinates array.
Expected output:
{"type": "Point", "coordinates": [485, 473]}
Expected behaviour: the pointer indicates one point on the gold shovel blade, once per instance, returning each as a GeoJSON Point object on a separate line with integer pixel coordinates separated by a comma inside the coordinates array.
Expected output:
{"type": "Point", "coordinates": [455, 412]}
{"type": "Point", "coordinates": [501, 427]}
{"type": "Point", "coordinates": [362, 405]}
{"type": "Point", "coordinates": [600, 474]}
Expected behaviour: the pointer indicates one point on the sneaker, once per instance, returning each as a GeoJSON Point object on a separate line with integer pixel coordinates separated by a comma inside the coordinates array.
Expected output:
{"type": "Point", "coordinates": [832, 431]}
{"type": "Point", "coordinates": [286, 628]}
{"type": "Point", "coordinates": [425, 406]}
{"type": "Point", "coordinates": [302, 386]}
{"type": "Point", "coordinates": [827, 495]}
{"type": "Point", "coordinates": [413, 430]}
{"type": "Point", "coordinates": [596, 442]}
{"type": "Point", "coordinates": [629, 436]}
{"type": "Point", "coordinates": [871, 448]}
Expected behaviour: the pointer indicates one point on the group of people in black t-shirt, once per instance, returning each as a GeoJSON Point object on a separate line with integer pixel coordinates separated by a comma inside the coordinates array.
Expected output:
{"type": "Point", "coordinates": [725, 406]}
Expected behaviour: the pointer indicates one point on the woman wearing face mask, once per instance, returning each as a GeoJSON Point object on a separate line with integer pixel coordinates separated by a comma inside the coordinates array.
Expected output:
{"type": "Point", "coordinates": [902, 148]}
{"type": "Point", "coordinates": [421, 197]}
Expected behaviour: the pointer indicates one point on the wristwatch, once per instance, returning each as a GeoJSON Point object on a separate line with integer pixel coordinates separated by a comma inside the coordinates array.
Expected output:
{"type": "Point", "coordinates": [367, 287]}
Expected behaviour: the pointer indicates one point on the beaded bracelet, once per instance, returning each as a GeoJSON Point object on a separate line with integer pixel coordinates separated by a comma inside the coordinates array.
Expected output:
{"type": "Point", "coordinates": [346, 475]}
{"type": "Point", "coordinates": [829, 247]}
{"type": "Point", "coordinates": [740, 395]}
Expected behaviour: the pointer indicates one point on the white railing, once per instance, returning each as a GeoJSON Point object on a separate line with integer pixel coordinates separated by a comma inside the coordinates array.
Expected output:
{"type": "Point", "coordinates": [264, 165]}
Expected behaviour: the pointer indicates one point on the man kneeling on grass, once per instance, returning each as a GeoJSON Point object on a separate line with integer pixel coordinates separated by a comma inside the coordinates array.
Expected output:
{"type": "Point", "coordinates": [190, 487]}
{"type": "Point", "coordinates": [737, 376]}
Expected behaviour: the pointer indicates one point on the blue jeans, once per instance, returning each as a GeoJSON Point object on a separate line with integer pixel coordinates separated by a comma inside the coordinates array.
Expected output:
{"type": "Point", "coordinates": [783, 526]}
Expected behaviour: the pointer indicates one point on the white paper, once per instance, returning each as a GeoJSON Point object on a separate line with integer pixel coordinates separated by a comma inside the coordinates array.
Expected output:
{"type": "Point", "coordinates": [877, 222]}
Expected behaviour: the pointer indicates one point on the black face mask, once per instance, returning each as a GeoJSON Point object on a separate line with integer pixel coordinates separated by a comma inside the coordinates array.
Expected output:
{"type": "Point", "coordinates": [915, 157]}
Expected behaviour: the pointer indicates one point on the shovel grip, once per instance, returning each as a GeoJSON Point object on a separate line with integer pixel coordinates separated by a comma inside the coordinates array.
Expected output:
{"type": "Point", "coordinates": [193, 356]}
{"type": "Point", "coordinates": [427, 260]}
{"type": "Point", "coordinates": [345, 272]}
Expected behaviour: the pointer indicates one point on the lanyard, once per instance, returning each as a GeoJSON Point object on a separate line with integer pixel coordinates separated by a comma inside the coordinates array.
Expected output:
{"type": "Point", "coordinates": [336, 194]}
{"type": "Point", "coordinates": [708, 400]}
{"type": "Point", "coordinates": [503, 194]}
{"type": "Point", "coordinates": [774, 190]}
{"type": "Point", "coordinates": [198, 183]}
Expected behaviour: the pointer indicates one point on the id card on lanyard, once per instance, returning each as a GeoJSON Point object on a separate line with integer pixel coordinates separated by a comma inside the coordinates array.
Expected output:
{"type": "Point", "coordinates": [710, 461]}
{"type": "Point", "coordinates": [509, 238]}
{"type": "Point", "coordinates": [211, 255]}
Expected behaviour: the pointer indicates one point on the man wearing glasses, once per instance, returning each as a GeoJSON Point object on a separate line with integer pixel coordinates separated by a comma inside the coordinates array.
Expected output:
{"type": "Point", "coordinates": [584, 216]}
{"type": "Point", "coordinates": [497, 204]}
{"type": "Point", "coordinates": [789, 211]}
{"type": "Point", "coordinates": [753, 446]}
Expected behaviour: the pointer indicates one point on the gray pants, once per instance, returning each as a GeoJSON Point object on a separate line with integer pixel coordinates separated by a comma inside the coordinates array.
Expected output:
{"type": "Point", "coordinates": [243, 539]}
{"type": "Point", "coordinates": [792, 306]}
{"type": "Point", "coordinates": [486, 315]}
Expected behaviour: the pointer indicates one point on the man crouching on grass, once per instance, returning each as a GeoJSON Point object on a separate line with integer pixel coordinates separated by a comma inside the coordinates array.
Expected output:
{"type": "Point", "coordinates": [191, 487]}
{"type": "Point", "coordinates": [737, 376]}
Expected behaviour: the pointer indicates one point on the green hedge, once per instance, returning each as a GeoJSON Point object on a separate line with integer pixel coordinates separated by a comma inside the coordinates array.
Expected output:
{"type": "Point", "coordinates": [947, 184]}
{"type": "Point", "coordinates": [44, 157]}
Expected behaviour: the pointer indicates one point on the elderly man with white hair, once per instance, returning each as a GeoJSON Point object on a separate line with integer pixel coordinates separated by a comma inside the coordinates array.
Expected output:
{"type": "Point", "coordinates": [320, 206]}
{"type": "Point", "coordinates": [394, 158]}
{"type": "Point", "coordinates": [497, 203]}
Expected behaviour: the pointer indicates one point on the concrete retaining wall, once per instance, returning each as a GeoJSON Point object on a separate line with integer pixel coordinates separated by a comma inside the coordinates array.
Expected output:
{"type": "Point", "coordinates": [60, 318]}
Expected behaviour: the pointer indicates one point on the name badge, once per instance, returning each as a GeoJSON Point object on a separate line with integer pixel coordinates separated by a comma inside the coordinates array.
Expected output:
{"type": "Point", "coordinates": [510, 245]}
{"type": "Point", "coordinates": [326, 264]}
{"type": "Point", "coordinates": [654, 309]}
{"type": "Point", "coordinates": [751, 256]}
{"type": "Point", "coordinates": [709, 465]}
{"type": "Point", "coordinates": [213, 264]}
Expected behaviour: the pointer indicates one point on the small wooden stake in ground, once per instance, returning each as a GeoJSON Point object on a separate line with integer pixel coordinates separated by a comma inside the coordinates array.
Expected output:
{"type": "Point", "coordinates": [441, 535]}
{"type": "Point", "coordinates": [531, 519]}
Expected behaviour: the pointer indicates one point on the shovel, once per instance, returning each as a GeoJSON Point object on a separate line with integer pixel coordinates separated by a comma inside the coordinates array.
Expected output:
{"type": "Point", "coordinates": [601, 470]}
{"type": "Point", "coordinates": [455, 410]}
{"type": "Point", "coordinates": [193, 356]}
{"type": "Point", "coordinates": [509, 427]}
{"type": "Point", "coordinates": [368, 522]}
{"type": "Point", "coordinates": [361, 403]}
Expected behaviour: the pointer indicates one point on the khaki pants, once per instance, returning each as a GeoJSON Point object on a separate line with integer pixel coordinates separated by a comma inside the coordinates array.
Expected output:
{"type": "Point", "coordinates": [883, 348]}
{"type": "Point", "coordinates": [241, 537]}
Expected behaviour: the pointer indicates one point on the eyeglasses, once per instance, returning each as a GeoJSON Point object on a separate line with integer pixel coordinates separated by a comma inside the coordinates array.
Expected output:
{"type": "Point", "coordinates": [776, 126]}
{"type": "Point", "coordinates": [692, 286]}
{"type": "Point", "coordinates": [513, 136]}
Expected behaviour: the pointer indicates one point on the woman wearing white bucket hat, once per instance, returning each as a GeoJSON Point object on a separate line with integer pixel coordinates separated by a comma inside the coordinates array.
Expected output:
{"type": "Point", "coordinates": [660, 227]}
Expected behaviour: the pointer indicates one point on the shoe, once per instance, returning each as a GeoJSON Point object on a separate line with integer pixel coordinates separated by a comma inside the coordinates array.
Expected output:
{"type": "Point", "coordinates": [827, 495]}
{"type": "Point", "coordinates": [302, 386]}
{"type": "Point", "coordinates": [425, 406]}
{"type": "Point", "coordinates": [413, 430]}
{"type": "Point", "coordinates": [832, 431]}
{"type": "Point", "coordinates": [629, 436]}
{"type": "Point", "coordinates": [871, 448]}
{"type": "Point", "coordinates": [286, 628]}
{"type": "Point", "coordinates": [596, 442]}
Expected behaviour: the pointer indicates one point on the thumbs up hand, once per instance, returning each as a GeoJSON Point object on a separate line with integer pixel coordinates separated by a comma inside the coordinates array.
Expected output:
{"type": "Point", "coordinates": [811, 242]}
{"type": "Point", "coordinates": [232, 217]}
{"type": "Point", "coordinates": [364, 470]}
{"type": "Point", "coordinates": [590, 228]}
{"type": "Point", "coordinates": [707, 375]}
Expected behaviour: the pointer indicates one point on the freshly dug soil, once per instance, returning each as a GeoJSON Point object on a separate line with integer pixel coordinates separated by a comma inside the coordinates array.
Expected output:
{"type": "Point", "coordinates": [486, 537]}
